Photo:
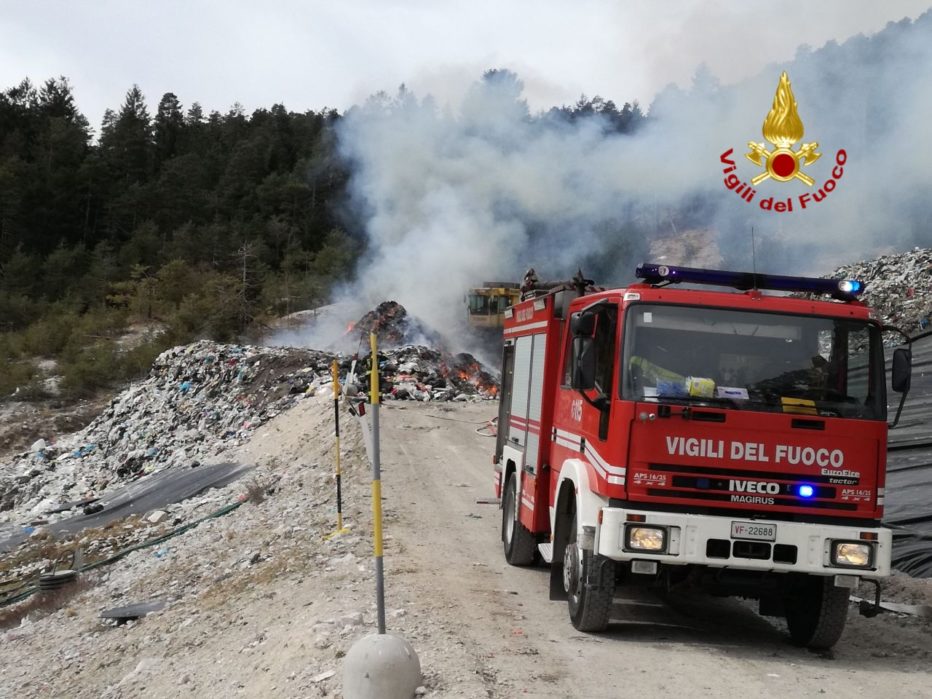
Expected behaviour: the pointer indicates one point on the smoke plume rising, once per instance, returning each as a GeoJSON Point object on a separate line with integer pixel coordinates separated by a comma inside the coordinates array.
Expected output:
{"type": "Point", "coordinates": [450, 200]}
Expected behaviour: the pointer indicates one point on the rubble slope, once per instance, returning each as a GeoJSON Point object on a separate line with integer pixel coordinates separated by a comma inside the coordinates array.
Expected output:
{"type": "Point", "coordinates": [898, 287]}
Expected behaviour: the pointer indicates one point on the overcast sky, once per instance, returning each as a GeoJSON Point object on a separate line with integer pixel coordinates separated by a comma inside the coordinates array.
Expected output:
{"type": "Point", "coordinates": [310, 54]}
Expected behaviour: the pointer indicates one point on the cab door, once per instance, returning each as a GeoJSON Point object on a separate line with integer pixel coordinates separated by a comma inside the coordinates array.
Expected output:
{"type": "Point", "coordinates": [590, 398]}
{"type": "Point", "coordinates": [594, 366]}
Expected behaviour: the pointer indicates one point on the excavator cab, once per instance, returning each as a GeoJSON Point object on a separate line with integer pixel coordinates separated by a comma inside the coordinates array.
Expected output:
{"type": "Point", "coordinates": [485, 305]}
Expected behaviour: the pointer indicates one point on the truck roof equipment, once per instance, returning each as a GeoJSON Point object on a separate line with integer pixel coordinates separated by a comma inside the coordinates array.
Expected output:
{"type": "Point", "coordinates": [840, 289]}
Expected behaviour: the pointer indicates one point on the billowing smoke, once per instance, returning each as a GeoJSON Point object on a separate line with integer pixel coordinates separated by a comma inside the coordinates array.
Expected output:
{"type": "Point", "coordinates": [450, 199]}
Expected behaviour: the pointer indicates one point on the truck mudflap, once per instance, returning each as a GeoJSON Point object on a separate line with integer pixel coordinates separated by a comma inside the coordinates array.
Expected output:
{"type": "Point", "coordinates": [744, 544]}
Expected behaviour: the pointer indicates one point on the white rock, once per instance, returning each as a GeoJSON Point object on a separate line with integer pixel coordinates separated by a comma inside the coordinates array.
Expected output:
{"type": "Point", "coordinates": [156, 516]}
{"type": "Point", "coordinates": [327, 674]}
{"type": "Point", "coordinates": [354, 619]}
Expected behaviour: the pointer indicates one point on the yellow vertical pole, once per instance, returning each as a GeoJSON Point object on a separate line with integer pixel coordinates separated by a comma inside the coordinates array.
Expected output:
{"type": "Point", "coordinates": [377, 484]}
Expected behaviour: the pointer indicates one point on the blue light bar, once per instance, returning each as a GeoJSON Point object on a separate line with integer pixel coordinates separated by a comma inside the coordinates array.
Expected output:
{"type": "Point", "coordinates": [841, 289]}
{"type": "Point", "coordinates": [806, 491]}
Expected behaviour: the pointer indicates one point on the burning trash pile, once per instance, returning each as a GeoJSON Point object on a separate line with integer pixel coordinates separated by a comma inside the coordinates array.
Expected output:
{"type": "Point", "coordinates": [898, 287]}
{"type": "Point", "coordinates": [410, 368]}
{"type": "Point", "coordinates": [422, 373]}
{"type": "Point", "coordinates": [393, 327]}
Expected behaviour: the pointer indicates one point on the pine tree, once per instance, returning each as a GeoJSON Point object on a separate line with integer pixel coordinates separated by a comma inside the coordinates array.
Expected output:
{"type": "Point", "coordinates": [128, 150]}
{"type": "Point", "coordinates": [132, 136]}
{"type": "Point", "coordinates": [169, 123]}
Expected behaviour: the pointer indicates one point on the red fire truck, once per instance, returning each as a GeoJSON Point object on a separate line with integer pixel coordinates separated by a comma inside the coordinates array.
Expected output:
{"type": "Point", "coordinates": [733, 439]}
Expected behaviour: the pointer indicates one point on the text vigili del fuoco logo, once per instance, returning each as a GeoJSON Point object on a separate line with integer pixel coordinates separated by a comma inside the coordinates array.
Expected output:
{"type": "Point", "coordinates": [782, 128]}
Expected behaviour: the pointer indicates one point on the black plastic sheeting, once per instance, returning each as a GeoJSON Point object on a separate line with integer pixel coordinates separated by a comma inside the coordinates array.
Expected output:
{"type": "Point", "coordinates": [148, 493]}
{"type": "Point", "coordinates": [908, 506]}
{"type": "Point", "coordinates": [133, 611]}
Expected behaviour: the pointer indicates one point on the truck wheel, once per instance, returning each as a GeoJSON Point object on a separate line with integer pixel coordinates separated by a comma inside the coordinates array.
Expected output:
{"type": "Point", "coordinates": [816, 612]}
{"type": "Point", "coordinates": [589, 582]}
{"type": "Point", "coordinates": [519, 543]}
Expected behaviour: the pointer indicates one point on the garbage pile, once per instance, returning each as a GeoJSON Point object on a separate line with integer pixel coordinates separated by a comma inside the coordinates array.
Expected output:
{"type": "Point", "coordinates": [199, 400]}
{"type": "Point", "coordinates": [422, 373]}
{"type": "Point", "coordinates": [898, 287]}
{"type": "Point", "coordinates": [393, 327]}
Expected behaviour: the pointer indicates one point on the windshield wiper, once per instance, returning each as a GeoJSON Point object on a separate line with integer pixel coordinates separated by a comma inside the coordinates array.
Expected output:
{"type": "Point", "coordinates": [717, 401]}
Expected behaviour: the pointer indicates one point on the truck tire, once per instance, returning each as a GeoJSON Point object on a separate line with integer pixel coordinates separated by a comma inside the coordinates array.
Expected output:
{"type": "Point", "coordinates": [519, 544]}
{"type": "Point", "coordinates": [816, 612]}
{"type": "Point", "coordinates": [589, 582]}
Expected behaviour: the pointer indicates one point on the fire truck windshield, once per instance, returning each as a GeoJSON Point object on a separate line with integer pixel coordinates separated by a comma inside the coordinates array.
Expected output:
{"type": "Point", "coordinates": [753, 361]}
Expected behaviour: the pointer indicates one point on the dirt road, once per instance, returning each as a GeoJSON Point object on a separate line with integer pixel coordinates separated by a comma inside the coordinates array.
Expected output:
{"type": "Point", "coordinates": [502, 637]}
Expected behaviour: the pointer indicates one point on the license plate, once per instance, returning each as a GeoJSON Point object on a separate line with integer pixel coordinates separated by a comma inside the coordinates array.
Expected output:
{"type": "Point", "coordinates": [753, 530]}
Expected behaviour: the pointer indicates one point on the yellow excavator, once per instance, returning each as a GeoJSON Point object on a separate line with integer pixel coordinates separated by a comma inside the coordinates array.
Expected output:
{"type": "Point", "coordinates": [485, 305]}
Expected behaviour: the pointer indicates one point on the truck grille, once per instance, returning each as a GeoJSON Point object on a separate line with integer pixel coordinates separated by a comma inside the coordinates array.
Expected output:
{"type": "Point", "coordinates": [756, 550]}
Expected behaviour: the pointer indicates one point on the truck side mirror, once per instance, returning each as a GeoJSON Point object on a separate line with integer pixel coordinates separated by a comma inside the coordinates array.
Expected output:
{"type": "Point", "coordinates": [902, 370]}
{"type": "Point", "coordinates": [582, 324]}
{"type": "Point", "coordinates": [583, 377]}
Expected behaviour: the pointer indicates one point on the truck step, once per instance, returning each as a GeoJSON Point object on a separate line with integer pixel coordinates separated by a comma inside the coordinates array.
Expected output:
{"type": "Point", "coordinates": [546, 551]}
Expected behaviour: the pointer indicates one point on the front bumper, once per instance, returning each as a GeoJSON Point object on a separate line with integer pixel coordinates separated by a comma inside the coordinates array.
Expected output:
{"type": "Point", "coordinates": [705, 540]}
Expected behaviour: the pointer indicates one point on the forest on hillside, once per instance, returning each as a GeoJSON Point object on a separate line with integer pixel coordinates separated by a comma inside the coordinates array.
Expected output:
{"type": "Point", "coordinates": [205, 223]}
{"type": "Point", "coordinates": [202, 225]}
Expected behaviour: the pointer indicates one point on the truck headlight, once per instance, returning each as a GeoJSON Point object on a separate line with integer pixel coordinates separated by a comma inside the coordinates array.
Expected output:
{"type": "Point", "coordinates": [643, 538]}
{"type": "Point", "coordinates": [853, 554]}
